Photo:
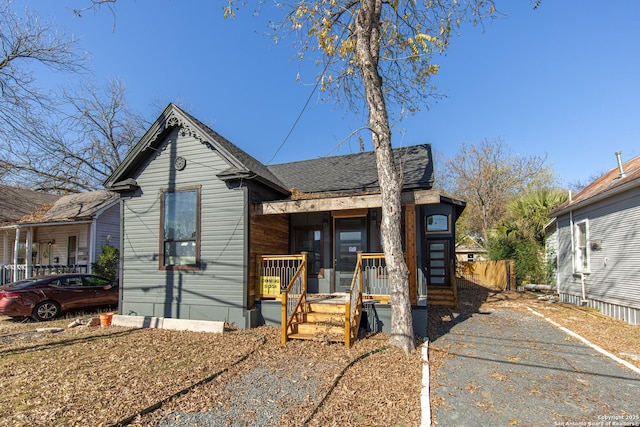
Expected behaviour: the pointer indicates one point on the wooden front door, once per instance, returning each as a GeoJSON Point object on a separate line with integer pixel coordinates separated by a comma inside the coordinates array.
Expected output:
{"type": "Point", "coordinates": [349, 239]}
{"type": "Point", "coordinates": [438, 263]}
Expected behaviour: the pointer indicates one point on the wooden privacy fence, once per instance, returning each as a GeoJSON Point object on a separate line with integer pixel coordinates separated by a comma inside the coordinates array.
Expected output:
{"type": "Point", "coordinates": [501, 274]}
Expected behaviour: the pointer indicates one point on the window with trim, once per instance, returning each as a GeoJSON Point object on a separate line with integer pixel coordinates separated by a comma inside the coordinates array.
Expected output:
{"type": "Point", "coordinates": [437, 223]}
{"type": "Point", "coordinates": [581, 247]}
{"type": "Point", "coordinates": [310, 240]}
{"type": "Point", "coordinates": [180, 229]}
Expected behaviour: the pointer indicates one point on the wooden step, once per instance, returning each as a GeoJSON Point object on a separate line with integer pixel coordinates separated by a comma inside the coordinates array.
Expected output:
{"type": "Point", "coordinates": [319, 317]}
{"type": "Point", "coordinates": [319, 329]}
{"type": "Point", "coordinates": [315, 337]}
{"type": "Point", "coordinates": [441, 297]}
{"type": "Point", "coordinates": [325, 307]}
{"type": "Point", "coordinates": [441, 303]}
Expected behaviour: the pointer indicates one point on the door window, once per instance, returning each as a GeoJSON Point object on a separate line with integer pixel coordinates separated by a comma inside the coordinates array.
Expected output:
{"type": "Point", "coordinates": [437, 261]}
{"type": "Point", "coordinates": [350, 238]}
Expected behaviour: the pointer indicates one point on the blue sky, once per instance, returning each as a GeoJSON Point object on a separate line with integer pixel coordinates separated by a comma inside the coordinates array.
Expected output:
{"type": "Point", "coordinates": [561, 81]}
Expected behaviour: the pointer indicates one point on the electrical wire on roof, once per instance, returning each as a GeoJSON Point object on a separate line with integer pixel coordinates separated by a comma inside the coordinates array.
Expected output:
{"type": "Point", "coordinates": [295, 123]}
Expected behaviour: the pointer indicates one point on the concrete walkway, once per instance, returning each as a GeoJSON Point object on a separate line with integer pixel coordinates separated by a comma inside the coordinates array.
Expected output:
{"type": "Point", "coordinates": [509, 368]}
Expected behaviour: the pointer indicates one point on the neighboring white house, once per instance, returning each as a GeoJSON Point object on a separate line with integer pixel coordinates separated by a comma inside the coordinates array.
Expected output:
{"type": "Point", "coordinates": [65, 236]}
{"type": "Point", "coordinates": [597, 241]}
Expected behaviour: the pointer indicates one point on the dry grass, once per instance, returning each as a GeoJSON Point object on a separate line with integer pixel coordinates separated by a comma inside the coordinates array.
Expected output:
{"type": "Point", "coordinates": [99, 376]}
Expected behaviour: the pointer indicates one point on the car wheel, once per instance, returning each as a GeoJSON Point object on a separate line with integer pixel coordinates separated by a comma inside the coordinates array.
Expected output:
{"type": "Point", "coordinates": [46, 310]}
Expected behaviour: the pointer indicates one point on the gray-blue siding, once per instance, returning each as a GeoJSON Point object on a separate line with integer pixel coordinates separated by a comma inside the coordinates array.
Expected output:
{"type": "Point", "coordinates": [218, 290]}
{"type": "Point", "coordinates": [614, 251]}
{"type": "Point", "coordinates": [108, 228]}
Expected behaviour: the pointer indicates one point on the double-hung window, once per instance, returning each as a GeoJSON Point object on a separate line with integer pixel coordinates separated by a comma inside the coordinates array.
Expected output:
{"type": "Point", "coordinates": [581, 247]}
{"type": "Point", "coordinates": [180, 229]}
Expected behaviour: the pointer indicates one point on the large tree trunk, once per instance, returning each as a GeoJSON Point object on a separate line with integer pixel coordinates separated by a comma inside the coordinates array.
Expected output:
{"type": "Point", "coordinates": [367, 54]}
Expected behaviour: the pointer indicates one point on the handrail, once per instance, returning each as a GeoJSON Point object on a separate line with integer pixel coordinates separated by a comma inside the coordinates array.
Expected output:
{"type": "Point", "coordinates": [294, 294]}
{"type": "Point", "coordinates": [353, 304]}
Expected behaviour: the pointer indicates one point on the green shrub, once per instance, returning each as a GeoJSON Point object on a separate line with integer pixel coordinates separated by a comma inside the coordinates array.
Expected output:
{"type": "Point", "coordinates": [107, 263]}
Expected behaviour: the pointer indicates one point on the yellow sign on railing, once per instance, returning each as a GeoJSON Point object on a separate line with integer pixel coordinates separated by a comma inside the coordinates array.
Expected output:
{"type": "Point", "coordinates": [270, 285]}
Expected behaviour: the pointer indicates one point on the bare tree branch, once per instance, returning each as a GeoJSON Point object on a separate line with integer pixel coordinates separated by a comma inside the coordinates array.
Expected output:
{"type": "Point", "coordinates": [24, 42]}
{"type": "Point", "coordinates": [79, 149]}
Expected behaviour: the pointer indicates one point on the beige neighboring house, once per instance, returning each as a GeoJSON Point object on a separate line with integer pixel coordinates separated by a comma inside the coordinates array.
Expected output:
{"type": "Point", "coordinates": [63, 236]}
{"type": "Point", "coordinates": [469, 250]}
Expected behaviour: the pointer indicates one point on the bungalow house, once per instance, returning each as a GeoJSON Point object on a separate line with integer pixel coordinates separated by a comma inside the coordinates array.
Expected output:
{"type": "Point", "coordinates": [65, 236]}
{"type": "Point", "coordinates": [210, 233]}
{"type": "Point", "coordinates": [594, 241]}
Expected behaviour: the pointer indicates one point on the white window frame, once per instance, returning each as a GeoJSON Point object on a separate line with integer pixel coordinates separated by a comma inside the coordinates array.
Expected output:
{"type": "Point", "coordinates": [582, 253]}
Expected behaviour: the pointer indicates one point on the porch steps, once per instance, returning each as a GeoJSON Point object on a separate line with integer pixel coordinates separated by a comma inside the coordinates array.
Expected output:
{"type": "Point", "coordinates": [321, 321]}
{"type": "Point", "coordinates": [441, 297]}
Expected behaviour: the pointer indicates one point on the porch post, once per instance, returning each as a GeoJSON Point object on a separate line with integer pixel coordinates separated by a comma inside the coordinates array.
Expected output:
{"type": "Point", "coordinates": [27, 252]}
{"type": "Point", "coordinates": [92, 245]}
{"type": "Point", "coordinates": [5, 247]}
{"type": "Point", "coordinates": [16, 246]}
{"type": "Point", "coordinates": [410, 239]}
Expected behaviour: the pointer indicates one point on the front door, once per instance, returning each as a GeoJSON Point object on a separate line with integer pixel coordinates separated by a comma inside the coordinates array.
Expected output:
{"type": "Point", "coordinates": [350, 238]}
{"type": "Point", "coordinates": [437, 263]}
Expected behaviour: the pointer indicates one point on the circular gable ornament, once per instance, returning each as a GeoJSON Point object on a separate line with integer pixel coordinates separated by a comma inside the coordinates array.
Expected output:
{"type": "Point", "coordinates": [180, 163]}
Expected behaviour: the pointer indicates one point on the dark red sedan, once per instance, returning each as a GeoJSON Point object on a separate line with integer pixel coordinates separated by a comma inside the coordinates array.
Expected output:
{"type": "Point", "coordinates": [44, 298]}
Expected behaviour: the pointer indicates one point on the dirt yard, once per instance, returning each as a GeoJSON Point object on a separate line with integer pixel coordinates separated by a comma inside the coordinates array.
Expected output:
{"type": "Point", "coordinates": [103, 376]}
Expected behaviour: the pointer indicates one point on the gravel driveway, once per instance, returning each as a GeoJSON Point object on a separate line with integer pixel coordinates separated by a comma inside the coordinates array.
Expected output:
{"type": "Point", "coordinates": [506, 367]}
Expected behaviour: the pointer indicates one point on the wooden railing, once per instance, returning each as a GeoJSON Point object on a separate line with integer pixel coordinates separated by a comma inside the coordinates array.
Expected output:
{"type": "Point", "coordinates": [289, 273]}
{"type": "Point", "coordinates": [353, 304]}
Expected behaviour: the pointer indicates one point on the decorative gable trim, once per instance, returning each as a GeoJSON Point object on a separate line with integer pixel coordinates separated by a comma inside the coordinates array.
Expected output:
{"type": "Point", "coordinates": [186, 129]}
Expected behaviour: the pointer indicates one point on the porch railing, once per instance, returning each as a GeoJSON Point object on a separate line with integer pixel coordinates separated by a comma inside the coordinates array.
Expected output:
{"type": "Point", "coordinates": [374, 274]}
{"type": "Point", "coordinates": [353, 301]}
{"type": "Point", "coordinates": [22, 272]}
{"type": "Point", "coordinates": [289, 273]}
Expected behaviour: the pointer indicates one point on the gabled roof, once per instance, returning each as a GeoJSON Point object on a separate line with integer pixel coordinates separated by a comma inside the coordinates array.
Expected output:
{"type": "Point", "coordinates": [352, 173]}
{"type": "Point", "coordinates": [609, 184]}
{"type": "Point", "coordinates": [240, 163]}
{"type": "Point", "coordinates": [17, 202]}
{"type": "Point", "coordinates": [74, 207]}
{"type": "Point", "coordinates": [356, 172]}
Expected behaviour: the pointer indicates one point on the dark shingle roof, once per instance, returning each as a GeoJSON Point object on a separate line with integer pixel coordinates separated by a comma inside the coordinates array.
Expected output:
{"type": "Point", "coordinates": [356, 172]}
{"type": "Point", "coordinates": [347, 174]}
{"type": "Point", "coordinates": [247, 161]}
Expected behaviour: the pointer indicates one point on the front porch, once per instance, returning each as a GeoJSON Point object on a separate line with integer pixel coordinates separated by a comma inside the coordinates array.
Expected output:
{"type": "Point", "coordinates": [334, 317]}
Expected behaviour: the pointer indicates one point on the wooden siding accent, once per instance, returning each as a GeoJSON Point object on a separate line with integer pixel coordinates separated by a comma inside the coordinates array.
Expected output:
{"type": "Point", "coordinates": [269, 235]}
{"type": "Point", "coordinates": [410, 250]}
{"type": "Point", "coordinates": [350, 213]}
{"type": "Point", "coordinates": [418, 197]}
